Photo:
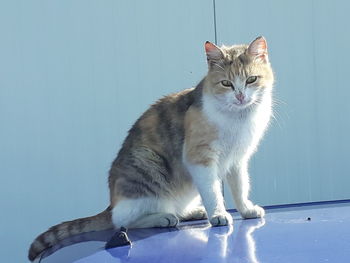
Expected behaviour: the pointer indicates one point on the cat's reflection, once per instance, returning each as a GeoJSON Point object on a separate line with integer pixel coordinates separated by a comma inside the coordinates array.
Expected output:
{"type": "Point", "coordinates": [243, 242]}
{"type": "Point", "coordinates": [228, 245]}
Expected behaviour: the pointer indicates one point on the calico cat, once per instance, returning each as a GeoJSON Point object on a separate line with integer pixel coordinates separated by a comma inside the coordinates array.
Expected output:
{"type": "Point", "coordinates": [175, 156]}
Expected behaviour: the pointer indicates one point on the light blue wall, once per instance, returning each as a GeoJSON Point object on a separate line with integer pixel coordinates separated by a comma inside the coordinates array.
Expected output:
{"type": "Point", "coordinates": [75, 75]}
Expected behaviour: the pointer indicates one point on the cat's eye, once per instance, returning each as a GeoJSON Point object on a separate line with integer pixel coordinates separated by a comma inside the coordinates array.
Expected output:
{"type": "Point", "coordinates": [251, 79]}
{"type": "Point", "coordinates": [226, 83]}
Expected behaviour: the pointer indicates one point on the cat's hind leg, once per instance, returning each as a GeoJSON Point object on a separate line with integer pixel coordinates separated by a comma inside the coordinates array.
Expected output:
{"type": "Point", "coordinates": [197, 213]}
{"type": "Point", "coordinates": [144, 213]}
{"type": "Point", "coordinates": [156, 220]}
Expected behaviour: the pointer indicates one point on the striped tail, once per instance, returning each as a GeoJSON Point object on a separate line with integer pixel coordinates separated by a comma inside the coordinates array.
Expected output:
{"type": "Point", "coordinates": [57, 233]}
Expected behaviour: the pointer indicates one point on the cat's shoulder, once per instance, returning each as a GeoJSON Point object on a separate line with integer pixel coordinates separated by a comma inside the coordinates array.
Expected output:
{"type": "Point", "coordinates": [183, 98]}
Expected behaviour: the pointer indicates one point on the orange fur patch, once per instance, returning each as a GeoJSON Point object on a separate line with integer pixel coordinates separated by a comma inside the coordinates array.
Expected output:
{"type": "Point", "coordinates": [199, 134]}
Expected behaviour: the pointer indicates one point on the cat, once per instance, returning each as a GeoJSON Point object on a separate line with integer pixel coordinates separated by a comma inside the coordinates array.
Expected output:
{"type": "Point", "coordinates": [172, 163]}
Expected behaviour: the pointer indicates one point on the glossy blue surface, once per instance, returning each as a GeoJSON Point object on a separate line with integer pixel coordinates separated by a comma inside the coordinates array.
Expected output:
{"type": "Point", "coordinates": [285, 235]}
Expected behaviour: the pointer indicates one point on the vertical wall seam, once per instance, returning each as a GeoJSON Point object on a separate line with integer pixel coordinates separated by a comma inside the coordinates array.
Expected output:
{"type": "Point", "coordinates": [215, 33]}
{"type": "Point", "coordinates": [314, 83]}
{"type": "Point", "coordinates": [216, 42]}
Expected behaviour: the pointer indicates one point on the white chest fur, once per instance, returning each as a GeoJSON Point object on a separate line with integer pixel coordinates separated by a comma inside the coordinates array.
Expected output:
{"type": "Point", "coordinates": [239, 132]}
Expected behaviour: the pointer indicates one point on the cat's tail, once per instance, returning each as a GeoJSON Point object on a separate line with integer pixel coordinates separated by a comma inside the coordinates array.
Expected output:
{"type": "Point", "coordinates": [57, 233]}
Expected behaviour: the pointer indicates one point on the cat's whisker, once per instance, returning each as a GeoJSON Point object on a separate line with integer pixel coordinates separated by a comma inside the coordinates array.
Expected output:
{"type": "Point", "coordinates": [277, 117]}
{"type": "Point", "coordinates": [276, 101]}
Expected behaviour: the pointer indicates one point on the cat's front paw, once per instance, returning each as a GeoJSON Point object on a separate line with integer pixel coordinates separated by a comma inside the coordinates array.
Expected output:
{"type": "Point", "coordinates": [221, 219]}
{"type": "Point", "coordinates": [253, 212]}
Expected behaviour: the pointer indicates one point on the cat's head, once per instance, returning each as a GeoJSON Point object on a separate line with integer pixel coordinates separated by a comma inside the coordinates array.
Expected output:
{"type": "Point", "coordinates": [239, 76]}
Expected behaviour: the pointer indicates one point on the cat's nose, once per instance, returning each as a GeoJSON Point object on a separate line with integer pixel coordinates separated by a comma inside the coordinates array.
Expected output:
{"type": "Point", "coordinates": [240, 97]}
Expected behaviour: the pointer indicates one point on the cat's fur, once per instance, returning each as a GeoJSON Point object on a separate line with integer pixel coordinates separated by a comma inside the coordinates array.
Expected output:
{"type": "Point", "coordinates": [179, 150]}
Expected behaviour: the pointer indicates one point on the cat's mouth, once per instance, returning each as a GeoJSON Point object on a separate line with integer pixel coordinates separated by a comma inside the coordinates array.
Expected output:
{"type": "Point", "coordinates": [235, 105]}
{"type": "Point", "coordinates": [238, 106]}
{"type": "Point", "coordinates": [242, 104]}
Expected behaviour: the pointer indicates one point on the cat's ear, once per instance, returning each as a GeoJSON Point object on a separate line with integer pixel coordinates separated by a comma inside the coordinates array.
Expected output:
{"type": "Point", "coordinates": [258, 49]}
{"type": "Point", "coordinates": [213, 52]}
